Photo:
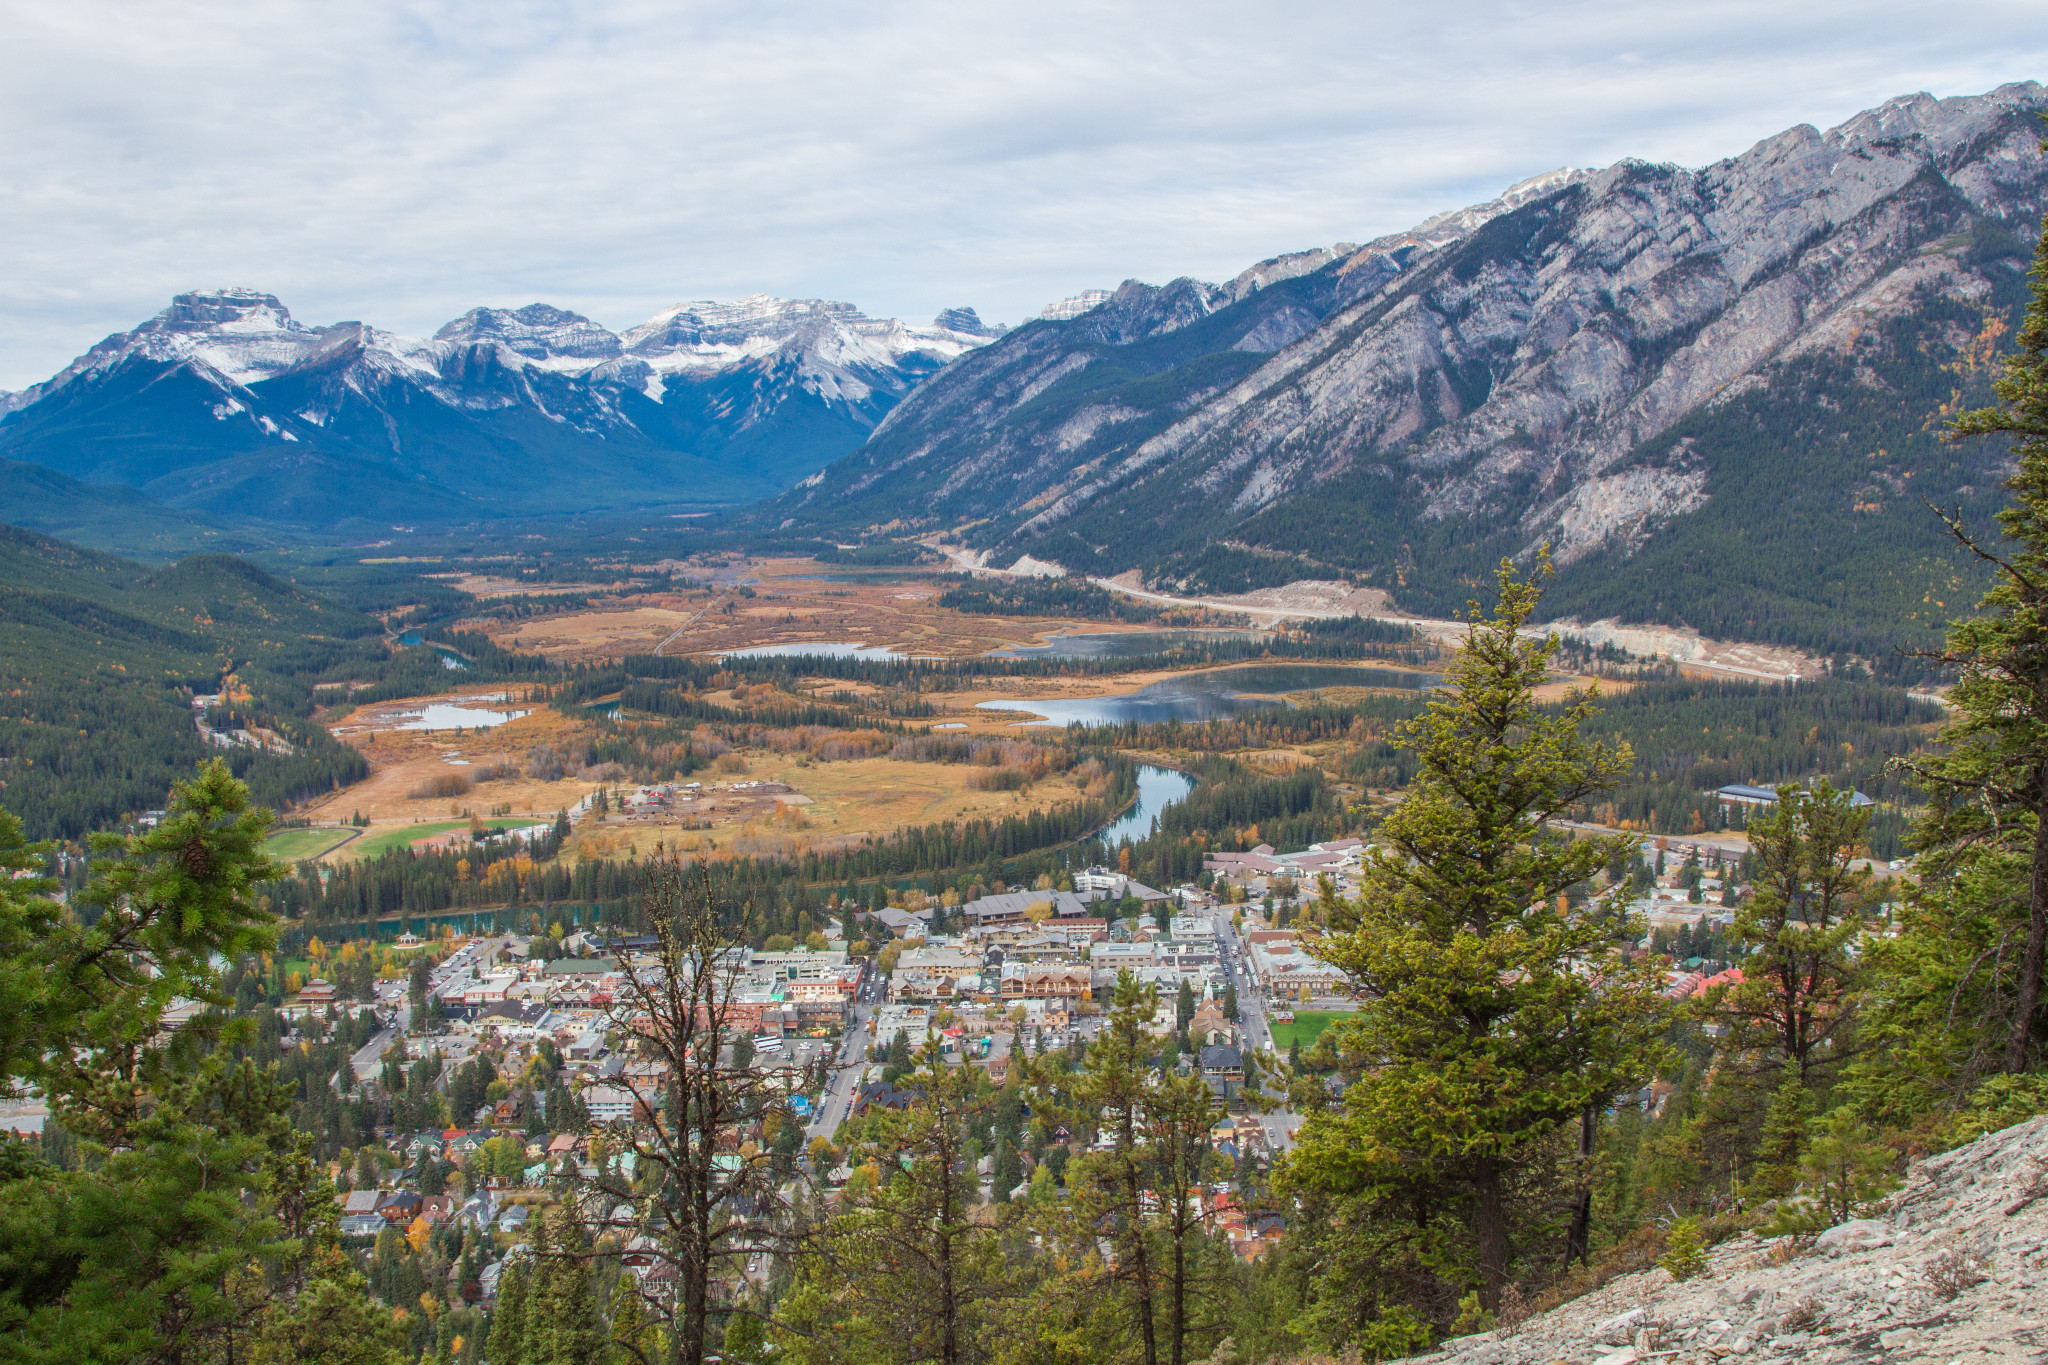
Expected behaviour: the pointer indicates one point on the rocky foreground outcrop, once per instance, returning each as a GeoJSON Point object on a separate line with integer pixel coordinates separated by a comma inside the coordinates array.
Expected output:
{"type": "Point", "coordinates": [1954, 1268]}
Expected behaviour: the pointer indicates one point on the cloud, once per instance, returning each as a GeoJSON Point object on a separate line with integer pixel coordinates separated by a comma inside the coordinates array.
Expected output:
{"type": "Point", "coordinates": [399, 163]}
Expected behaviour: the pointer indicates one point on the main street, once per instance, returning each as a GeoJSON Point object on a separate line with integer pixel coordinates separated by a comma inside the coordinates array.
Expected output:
{"type": "Point", "coordinates": [1252, 1024]}
{"type": "Point", "coordinates": [849, 1069]}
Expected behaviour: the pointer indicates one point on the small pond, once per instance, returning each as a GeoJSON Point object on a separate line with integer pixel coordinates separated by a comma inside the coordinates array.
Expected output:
{"type": "Point", "coordinates": [441, 715]}
{"type": "Point", "coordinates": [449, 658]}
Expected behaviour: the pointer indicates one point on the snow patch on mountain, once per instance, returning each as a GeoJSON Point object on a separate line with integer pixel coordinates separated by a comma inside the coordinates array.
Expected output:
{"type": "Point", "coordinates": [552, 338]}
{"type": "Point", "coordinates": [235, 337]}
{"type": "Point", "coordinates": [1085, 301]}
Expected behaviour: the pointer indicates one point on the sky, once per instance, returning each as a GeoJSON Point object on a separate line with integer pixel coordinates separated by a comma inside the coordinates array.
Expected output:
{"type": "Point", "coordinates": [401, 163]}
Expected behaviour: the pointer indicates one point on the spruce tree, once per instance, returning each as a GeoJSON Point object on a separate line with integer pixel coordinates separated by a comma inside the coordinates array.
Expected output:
{"type": "Point", "coordinates": [1990, 778]}
{"type": "Point", "coordinates": [563, 1324]}
{"type": "Point", "coordinates": [1009, 1171]}
{"type": "Point", "coordinates": [1498, 1015]}
{"type": "Point", "coordinates": [1795, 1005]}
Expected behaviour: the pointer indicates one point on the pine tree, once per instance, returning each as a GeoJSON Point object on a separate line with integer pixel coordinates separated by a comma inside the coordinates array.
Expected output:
{"type": "Point", "coordinates": [1499, 1014]}
{"type": "Point", "coordinates": [331, 1321]}
{"type": "Point", "coordinates": [1109, 1185]}
{"type": "Point", "coordinates": [907, 1270]}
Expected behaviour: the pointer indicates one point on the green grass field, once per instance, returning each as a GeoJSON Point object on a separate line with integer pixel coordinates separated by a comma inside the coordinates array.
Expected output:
{"type": "Point", "coordinates": [1308, 1025]}
{"type": "Point", "coordinates": [399, 836]}
{"type": "Point", "coordinates": [294, 845]}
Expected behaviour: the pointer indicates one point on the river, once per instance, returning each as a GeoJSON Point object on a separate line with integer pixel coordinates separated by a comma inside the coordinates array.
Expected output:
{"type": "Point", "coordinates": [1158, 788]}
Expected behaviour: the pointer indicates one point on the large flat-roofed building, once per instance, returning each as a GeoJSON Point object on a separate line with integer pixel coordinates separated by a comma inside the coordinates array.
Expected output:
{"type": "Point", "coordinates": [1016, 907]}
{"type": "Point", "coordinates": [1740, 794]}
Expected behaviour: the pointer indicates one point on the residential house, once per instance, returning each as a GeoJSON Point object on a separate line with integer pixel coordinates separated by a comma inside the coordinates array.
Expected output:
{"type": "Point", "coordinates": [1223, 1068]}
{"type": "Point", "coordinates": [399, 1207]}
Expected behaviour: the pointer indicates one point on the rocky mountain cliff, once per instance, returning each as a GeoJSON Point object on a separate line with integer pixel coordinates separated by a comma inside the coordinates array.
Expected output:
{"type": "Point", "coordinates": [1952, 1269]}
{"type": "Point", "coordinates": [1728, 377]}
{"type": "Point", "coordinates": [224, 402]}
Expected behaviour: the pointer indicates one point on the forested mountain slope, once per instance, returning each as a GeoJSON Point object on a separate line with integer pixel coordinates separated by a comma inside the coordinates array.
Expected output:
{"type": "Point", "coordinates": [114, 517]}
{"type": "Point", "coordinates": [100, 658]}
{"type": "Point", "coordinates": [1716, 392]}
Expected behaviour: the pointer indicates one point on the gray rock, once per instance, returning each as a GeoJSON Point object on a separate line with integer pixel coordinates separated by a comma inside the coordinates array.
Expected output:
{"type": "Point", "coordinates": [1858, 1234]}
{"type": "Point", "coordinates": [1618, 1331]}
{"type": "Point", "coordinates": [1958, 1198]}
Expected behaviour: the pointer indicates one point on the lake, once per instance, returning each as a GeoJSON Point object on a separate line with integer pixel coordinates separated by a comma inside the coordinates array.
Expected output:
{"type": "Point", "coordinates": [1158, 788]}
{"type": "Point", "coordinates": [1210, 694]}
{"type": "Point", "coordinates": [441, 715]}
{"type": "Point", "coordinates": [1123, 644]}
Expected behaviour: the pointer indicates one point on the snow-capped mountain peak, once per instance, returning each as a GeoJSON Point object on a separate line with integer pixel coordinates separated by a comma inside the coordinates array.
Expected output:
{"type": "Point", "coordinates": [746, 397]}
{"type": "Point", "coordinates": [705, 336]}
{"type": "Point", "coordinates": [553, 338]}
{"type": "Point", "coordinates": [235, 312]}
{"type": "Point", "coordinates": [1086, 301]}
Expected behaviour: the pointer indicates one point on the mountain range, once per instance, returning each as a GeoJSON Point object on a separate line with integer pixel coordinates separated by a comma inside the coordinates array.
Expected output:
{"type": "Point", "coordinates": [1716, 394]}
{"type": "Point", "coordinates": [224, 403]}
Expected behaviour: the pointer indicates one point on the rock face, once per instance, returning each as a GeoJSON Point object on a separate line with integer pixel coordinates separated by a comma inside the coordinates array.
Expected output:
{"type": "Point", "coordinates": [1501, 373]}
{"type": "Point", "coordinates": [1955, 1267]}
{"type": "Point", "coordinates": [225, 402]}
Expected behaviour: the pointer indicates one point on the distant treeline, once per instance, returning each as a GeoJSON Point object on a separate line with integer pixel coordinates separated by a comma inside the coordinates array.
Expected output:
{"type": "Point", "coordinates": [1690, 738]}
{"type": "Point", "coordinates": [502, 877]}
{"type": "Point", "coordinates": [883, 553]}
{"type": "Point", "coordinates": [1047, 597]}
{"type": "Point", "coordinates": [584, 684]}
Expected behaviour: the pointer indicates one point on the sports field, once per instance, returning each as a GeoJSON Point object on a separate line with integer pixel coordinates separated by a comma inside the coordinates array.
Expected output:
{"type": "Point", "coordinates": [295, 845]}
{"type": "Point", "coordinates": [383, 837]}
{"type": "Point", "coordinates": [1308, 1025]}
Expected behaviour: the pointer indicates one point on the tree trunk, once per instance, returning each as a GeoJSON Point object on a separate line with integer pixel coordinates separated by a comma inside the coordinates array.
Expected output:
{"type": "Point", "coordinates": [949, 1301]}
{"type": "Point", "coordinates": [690, 1339]}
{"type": "Point", "coordinates": [1180, 1286]}
{"type": "Point", "coordinates": [1141, 1268]}
{"type": "Point", "coordinates": [2021, 1035]}
{"type": "Point", "coordinates": [1578, 1242]}
{"type": "Point", "coordinates": [1490, 1227]}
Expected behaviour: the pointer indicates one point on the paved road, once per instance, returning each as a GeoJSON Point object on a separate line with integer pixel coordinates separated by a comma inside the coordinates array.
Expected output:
{"type": "Point", "coordinates": [1251, 1018]}
{"type": "Point", "coordinates": [368, 1060]}
{"type": "Point", "coordinates": [849, 1069]}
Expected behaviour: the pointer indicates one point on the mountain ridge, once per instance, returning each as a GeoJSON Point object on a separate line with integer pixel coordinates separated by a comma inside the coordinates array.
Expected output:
{"type": "Point", "coordinates": [1572, 363]}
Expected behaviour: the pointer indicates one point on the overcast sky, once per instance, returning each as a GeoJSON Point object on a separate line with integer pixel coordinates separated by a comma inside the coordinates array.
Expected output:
{"type": "Point", "coordinates": [401, 163]}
